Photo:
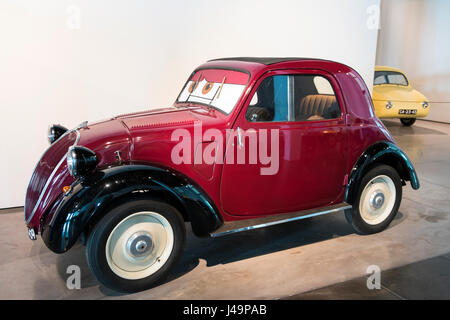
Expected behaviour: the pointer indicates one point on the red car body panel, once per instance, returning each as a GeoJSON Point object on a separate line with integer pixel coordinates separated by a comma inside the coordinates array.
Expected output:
{"type": "Point", "coordinates": [145, 137]}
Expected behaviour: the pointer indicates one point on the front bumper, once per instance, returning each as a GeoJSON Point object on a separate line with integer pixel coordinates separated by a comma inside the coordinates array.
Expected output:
{"type": "Point", "coordinates": [382, 112]}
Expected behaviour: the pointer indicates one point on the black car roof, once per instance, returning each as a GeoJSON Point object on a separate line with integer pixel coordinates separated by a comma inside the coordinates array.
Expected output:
{"type": "Point", "coordinates": [262, 60]}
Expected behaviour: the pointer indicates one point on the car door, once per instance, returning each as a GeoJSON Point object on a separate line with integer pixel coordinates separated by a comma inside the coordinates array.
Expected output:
{"type": "Point", "coordinates": [301, 150]}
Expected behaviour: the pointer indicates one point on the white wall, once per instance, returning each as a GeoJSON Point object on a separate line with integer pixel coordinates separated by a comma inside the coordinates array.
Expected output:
{"type": "Point", "coordinates": [415, 37]}
{"type": "Point", "coordinates": [132, 55]}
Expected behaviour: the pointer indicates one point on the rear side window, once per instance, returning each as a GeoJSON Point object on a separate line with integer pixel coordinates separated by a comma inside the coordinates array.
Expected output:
{"type": "Point", "coordinates": [293, 98]}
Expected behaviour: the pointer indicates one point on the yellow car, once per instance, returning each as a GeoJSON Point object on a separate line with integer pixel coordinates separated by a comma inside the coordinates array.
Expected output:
{"type": "Point", "coordinates": [393, 97]}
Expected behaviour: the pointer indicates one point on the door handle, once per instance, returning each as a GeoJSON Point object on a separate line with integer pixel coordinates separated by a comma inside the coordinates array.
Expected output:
{"type": "Point", "coordinates": [348, 119]}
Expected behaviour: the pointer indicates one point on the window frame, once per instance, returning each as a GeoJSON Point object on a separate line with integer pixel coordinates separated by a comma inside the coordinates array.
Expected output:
{"type": "Point", "coordinates": [297, 72]}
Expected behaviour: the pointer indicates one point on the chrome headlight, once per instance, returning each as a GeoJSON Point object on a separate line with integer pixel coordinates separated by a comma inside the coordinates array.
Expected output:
{"type": "Point", "coordinates": [55, 131]}
{"type": "Point", "coordinates": [425, 104]}
{"type": "Point", "coordinates": [80, 160]}
{"type": "Point", "coordinates": [388, 105]}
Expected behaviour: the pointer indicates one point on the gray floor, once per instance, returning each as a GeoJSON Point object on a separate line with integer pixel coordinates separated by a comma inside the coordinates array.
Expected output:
{"type": "Point", "coordinates": [423, 280]}
{"type": "Point", "coordinates": [277, 262]}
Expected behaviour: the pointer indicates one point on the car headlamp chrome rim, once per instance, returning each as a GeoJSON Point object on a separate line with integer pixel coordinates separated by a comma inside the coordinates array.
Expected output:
{"type": "Point", "coordinates": [425, 104]}
{"type": "Point", "coordinates": [389, 105]}
{"type": "Point", "coordinates": [80, 161]}
{"type": "Point", "coordinates": [55, 131]}
{"type": "Point", "coordinates": [70, 161]}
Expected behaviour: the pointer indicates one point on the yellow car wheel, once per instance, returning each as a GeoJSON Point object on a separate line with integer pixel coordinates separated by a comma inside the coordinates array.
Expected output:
{"type": "Point", "coordinates": [407, 122]}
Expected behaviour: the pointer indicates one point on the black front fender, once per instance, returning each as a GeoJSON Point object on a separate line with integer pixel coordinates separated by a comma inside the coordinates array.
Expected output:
{"type": "Point", "coordinates": [90, 198]}
{"type": "Point", "coordinates": [383, 152]}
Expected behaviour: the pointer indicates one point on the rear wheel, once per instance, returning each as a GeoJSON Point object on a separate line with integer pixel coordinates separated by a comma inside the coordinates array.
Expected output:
{"type": "Point", "coordinates": [135, 245]}
{"type": "Point", "coordinates": [377, 202]}
{"type": "Point", "coordinates": [407, 122]}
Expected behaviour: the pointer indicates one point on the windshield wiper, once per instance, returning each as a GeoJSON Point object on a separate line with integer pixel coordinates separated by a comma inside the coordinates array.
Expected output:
{"type": "Point", "coordinates": [194, 87]}
{"type": "Point", "coordinates": [220, 88]}
{"type": "Point", "coordinates": [217, 94]}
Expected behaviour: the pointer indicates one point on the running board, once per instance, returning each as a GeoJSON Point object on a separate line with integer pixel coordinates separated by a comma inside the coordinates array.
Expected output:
{"type": "Point", "coordinates": [250, 224]}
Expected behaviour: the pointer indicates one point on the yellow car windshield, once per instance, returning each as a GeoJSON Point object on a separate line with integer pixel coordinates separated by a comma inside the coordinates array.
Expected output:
{"type": "Point", "coordinates": [390, 77]}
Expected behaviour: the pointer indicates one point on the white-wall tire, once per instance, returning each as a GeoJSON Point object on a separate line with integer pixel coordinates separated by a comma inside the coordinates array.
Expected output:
{"type": "Point", "coordinates": [149, 229]}
{"type": "Point", "coordinates": [135, 245]}
{"type": "Point", "coordinates": [377, 201]}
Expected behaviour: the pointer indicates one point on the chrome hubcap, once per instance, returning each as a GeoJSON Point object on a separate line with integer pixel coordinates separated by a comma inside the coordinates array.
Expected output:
{"type": "Point", "coordinates": [140, 244]}
{"type": "Point", "coordinates": [377, 200]}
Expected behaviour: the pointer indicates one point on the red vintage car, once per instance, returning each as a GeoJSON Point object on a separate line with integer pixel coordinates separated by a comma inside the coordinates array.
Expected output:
{"type": "Point", "coordinates": [249, 143]}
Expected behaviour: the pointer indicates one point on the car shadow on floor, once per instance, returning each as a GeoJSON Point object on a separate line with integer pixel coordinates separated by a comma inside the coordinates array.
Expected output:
{"type": "Point", "coordinates": [231, 248]}
{"type": "Point", "coordinates": [249, 244]}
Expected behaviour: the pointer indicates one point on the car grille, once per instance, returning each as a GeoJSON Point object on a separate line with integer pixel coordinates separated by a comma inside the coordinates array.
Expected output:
{"type": "Point", "coordinates": [44, 170]}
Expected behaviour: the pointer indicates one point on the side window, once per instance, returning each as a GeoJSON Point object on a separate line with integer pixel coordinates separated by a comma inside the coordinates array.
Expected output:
{"type": "Point", "coordinates": [270, 101]}
{"type": "Point", "coordinates": [314, 99]}
{"type": "Point", "coordinates": [293, 98]}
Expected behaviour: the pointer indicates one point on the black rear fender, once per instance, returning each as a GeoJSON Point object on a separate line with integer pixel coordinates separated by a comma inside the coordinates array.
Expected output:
{"type": "Point", "coordinates": [383, 152]}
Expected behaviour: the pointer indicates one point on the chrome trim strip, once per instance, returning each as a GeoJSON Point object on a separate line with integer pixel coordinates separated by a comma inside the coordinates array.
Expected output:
{"type": "Point", "coordinates": [77, 138]}
{"type": "Point", "coordinates": [51, 176]}
{"type": "Point", "coordinates": [263, 225]}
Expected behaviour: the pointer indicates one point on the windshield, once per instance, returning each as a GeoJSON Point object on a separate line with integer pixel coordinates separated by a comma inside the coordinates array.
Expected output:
{"type": "Point", "coordinates": [216, 88]}
{"type": "Point", "coordinates": [390, 77]}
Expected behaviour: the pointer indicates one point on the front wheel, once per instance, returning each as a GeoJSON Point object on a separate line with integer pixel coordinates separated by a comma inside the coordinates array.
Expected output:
{"type": "Point", "coordinates": [135, 245]}
{"type": "Point", "coordinates": [377, 202]}
{"type": "Point", "coordinates": [407, 122]}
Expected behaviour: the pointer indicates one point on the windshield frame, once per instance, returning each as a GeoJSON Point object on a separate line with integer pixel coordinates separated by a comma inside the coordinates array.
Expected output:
{"type": "Point", "coordinates": [385, 73]}
{"type": "Point", "coordinates": [177, 102]}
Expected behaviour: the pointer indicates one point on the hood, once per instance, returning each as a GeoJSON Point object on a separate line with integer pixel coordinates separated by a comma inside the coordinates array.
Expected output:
{"type": "Point", "coordinates": [397, 93]}
{"type": "Point", "coordinates": [170, 119]}
{"type": "Point", "coordinates": [106, 139]}
{"type": "Point", "coordinates": [155, 133]}
{"type": "Point", "coordinates": [130, 135]}
{"type": "Point", "coordinates": [120, 134]}
{"type": "Point", "coordinates": [114, 132]}
{"type": "Point", "coordinates": [165, 110]}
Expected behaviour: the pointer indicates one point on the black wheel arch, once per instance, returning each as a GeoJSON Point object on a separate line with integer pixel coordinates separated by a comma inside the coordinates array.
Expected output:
{"type": "Point", "coordinates": [93, 196]}
{"type": "Point", "coordinates": [382, 152]}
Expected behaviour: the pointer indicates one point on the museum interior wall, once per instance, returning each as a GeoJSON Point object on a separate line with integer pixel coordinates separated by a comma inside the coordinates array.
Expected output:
{"type": "Point", "coordinates": [414, 36]}
{"type": "Point", "coordinates": [70, 61]}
